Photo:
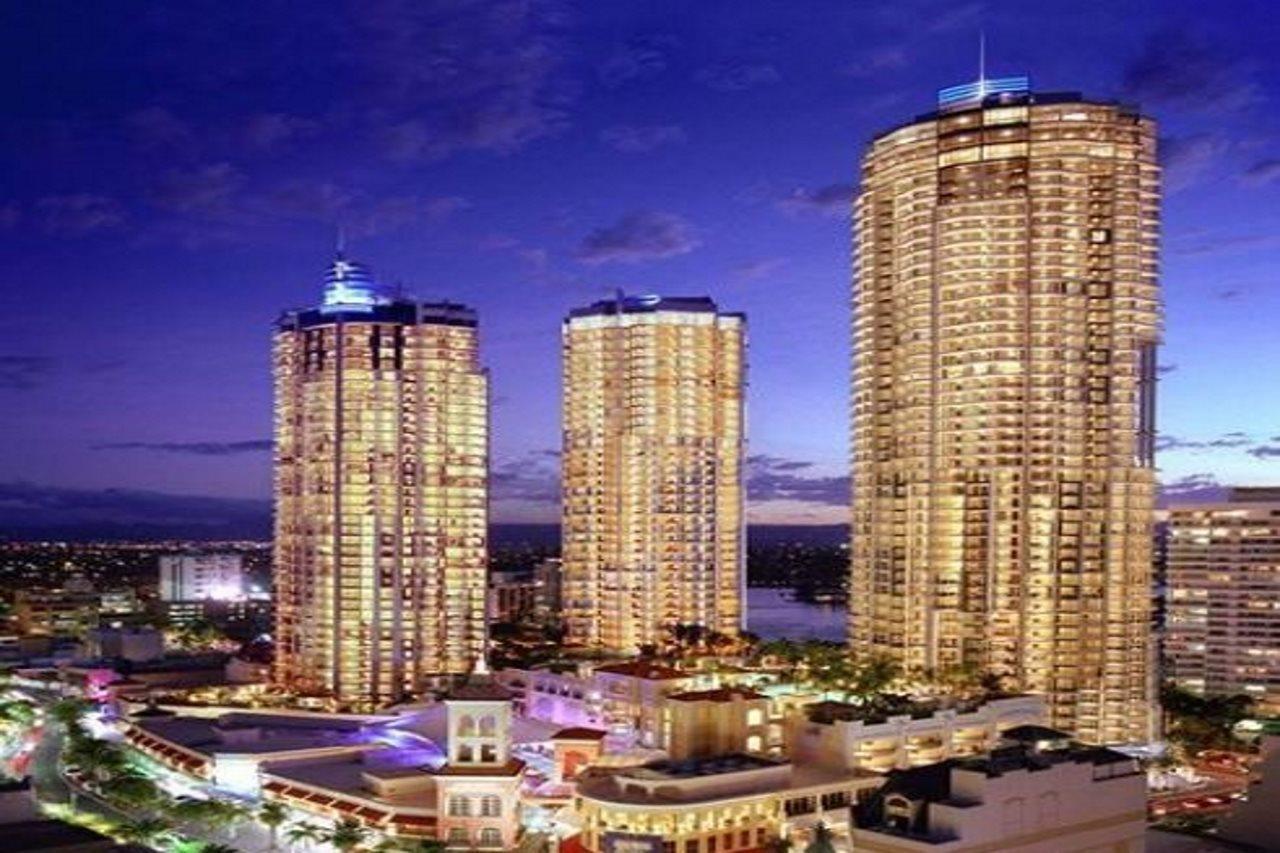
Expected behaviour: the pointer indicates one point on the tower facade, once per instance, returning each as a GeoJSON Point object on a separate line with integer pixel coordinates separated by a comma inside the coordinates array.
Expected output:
{"type": "Point", "coordinates": [381, 441]}
{"type": "Point", "coordinates": [652, 470]}
{"type": "Point", "coordinates": [1006, 316]}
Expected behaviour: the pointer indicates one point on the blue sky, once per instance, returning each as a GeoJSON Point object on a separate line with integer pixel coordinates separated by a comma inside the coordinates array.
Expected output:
{"type": "Point", "coordinates": [174, 174]}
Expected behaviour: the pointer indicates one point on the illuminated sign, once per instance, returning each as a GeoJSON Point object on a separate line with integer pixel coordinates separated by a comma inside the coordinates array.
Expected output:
{"type": "Point", "coordinates": [981, 88]}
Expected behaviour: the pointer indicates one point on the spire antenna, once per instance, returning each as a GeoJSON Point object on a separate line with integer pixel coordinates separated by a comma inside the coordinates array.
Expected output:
{"type": "Point", "coordinates": [982, 55]}
{"type": "Point", "coordinates": [342, 239]}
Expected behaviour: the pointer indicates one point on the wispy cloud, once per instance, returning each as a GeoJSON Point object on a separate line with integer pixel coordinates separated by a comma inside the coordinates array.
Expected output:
{"type": "Point", "coordinates": [1263, 172]}
{"type": "Point", "coordinates": [1192, 488]}
{"type": "Point", "coordinates": [757, 269]}
{"type": "Point", "coordinates": [736, 75]}
{"type": "Point", "coordinates": [830, 200]}
{"type": "Point", "coordinates": [1176, 68]}
{"type": "Point", "coordinates": [637, 59]}
{"type": "Point", "coordinates": [25, 372]}
{"type": "Point", "coordinates": [192, 448]}
{"type": "Point", "coordinates": [640, 236]}
{"type": "Point", "coordinates": [775, 478]}
{"type": "Point", "coordinates": [633, 139]}
{"type": "Point", "coordinates": [79, 214]}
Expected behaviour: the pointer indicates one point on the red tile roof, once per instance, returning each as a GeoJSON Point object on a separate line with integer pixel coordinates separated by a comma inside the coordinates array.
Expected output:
{"type": "Point", "coordinates": [578, 733]}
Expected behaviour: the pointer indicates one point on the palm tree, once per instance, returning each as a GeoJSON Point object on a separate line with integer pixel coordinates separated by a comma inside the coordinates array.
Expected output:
{"type": "Point", "coordinates": [779, 844]}
{"type": "Point", "coordinates": [70, 712]}
{"type": "Point", "coordinates": [18, 713]}
{"type": "Point", "coordinates": [149, 832]}
{"type": "Point", "coordinates": [823, 839]}
{"type": "Point", "coordinates": [304, 833]}
{"type": "Point", "coordinates": [98, 759]}
{"type": "Point", "coordinates": [347, 835]}
{"type": "Point", "coordinates": [272, 815]}
{"type": "Point", "coordinates": [135, 790]}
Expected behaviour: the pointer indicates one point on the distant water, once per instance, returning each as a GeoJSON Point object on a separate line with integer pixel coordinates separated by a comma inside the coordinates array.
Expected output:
{"type": "Point", "coordinates": [772, 615]}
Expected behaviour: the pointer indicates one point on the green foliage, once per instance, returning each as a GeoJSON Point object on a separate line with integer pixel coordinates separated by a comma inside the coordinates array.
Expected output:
{"type": "Point", "coordinates": [1197, 722]}
{"type": "Point", "coordinates": [347, 835]}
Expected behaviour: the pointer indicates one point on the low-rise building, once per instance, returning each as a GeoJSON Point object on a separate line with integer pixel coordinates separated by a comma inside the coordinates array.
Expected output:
{"type": "Point", "coordinates": [55, 612]}
{"type": "Point", "coordinates": [1038, 792]}
{"type": "Point", "coordinates": [712, 805]}
{"type": "Point", "coordinates": [136, 645]}
{"type": "Point", "coordinates": [725, 720]}
{"type": "Point", "coordinates": [857, 736]}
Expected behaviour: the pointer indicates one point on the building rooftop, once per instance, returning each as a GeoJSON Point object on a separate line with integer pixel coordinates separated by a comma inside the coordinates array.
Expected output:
{"type": "Point", "coordinates": [645, 669]}
{"type": "Point", "coordinates": [239, 733]}
{"type": "Point", "coordinates": [720, 694]}
{"type": "Point", "coordinates": [579, 733]}
{"type": "Point", "coordinates": [649, 304]}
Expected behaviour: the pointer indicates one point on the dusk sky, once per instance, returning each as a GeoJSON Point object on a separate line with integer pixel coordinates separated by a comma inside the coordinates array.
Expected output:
{"type": "Point", "coordinates": [174, 175]}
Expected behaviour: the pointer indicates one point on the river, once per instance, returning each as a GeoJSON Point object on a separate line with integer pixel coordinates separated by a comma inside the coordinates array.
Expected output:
{"type": "Point", "coordinates": [771, 614]}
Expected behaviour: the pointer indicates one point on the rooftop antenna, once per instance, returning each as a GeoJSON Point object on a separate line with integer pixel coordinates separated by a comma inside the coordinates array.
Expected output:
{"type": "Point", "coordinates": [982, 56]}
{"type": "Point", "coordinates": [342, 240]}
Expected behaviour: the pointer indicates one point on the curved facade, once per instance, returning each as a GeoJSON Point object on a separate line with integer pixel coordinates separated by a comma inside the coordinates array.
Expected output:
{"type": "Point", "coordinates": [381, 430]}
{"type": "Point", "coordinates": [1006, 319]}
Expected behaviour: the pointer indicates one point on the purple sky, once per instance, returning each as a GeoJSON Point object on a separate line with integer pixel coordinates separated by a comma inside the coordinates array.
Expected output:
{"type": "Point", "coordinates": [174, 174]}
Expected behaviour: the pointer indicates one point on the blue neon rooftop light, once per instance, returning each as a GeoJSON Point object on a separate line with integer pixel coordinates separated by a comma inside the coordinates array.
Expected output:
{"type": "Point", "coordinates": [979, 89]}
{"type": "Point", "coordinates": [349, 286]}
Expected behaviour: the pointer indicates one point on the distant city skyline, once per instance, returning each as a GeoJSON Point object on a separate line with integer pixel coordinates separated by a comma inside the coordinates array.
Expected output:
{"type": "Point", "coordinates": [152, 235]}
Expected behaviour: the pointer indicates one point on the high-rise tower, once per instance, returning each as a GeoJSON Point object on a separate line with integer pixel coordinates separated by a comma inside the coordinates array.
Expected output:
{"type": "Point", "coordinates": [1006, 321]}
{"type": "Point", "coordinates": [652, 468]}
{"type": "Point", "coordinates": [381, 430]}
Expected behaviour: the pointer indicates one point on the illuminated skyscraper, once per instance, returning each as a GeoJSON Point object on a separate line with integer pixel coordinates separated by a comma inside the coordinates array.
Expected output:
{"type": "Point", "coordinates": [1005, 329]}
{"type": "Point", "coordinates": [1223, 630]}
{"type": "Point", "coordinates": [652, 468]}
{"type": "Point", "coordinates": [381, 432]}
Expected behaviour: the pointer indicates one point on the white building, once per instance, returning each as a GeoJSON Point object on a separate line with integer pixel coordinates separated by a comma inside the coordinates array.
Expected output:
{"type": "Point", "coordinates": [1037, 793]}
{"type": "Point", "coordinates": [197, 577]}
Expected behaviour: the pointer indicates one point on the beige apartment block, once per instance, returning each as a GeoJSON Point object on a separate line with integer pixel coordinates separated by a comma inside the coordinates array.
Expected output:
{"type": "Point", "coordinates": [381, 490]}
{"type": "Point", "coordinates": [1006, 319]}
{"type": "Point", "coordinates": [652, 470]}
{"type": "Point", "coordinates": [1222, 631]}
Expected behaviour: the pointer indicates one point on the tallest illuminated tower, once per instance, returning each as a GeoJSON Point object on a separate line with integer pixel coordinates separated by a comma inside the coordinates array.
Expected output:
{"type": "Point", "coordinates": [381, 438]}
{"type": "Point", "coordinates": [1006, 320]}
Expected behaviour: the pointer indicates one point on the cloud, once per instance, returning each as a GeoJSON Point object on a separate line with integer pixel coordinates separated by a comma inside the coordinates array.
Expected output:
{"type": "Point", "coordinates": [533, 478]}
{"type": "Point", "coordinates": [737, 75]}
{"type": "Point", "coordinates": [193, 448]}
{"type": "Point", "coordinates": [1186, 158]}
{"type": "Point", "coordinates": [24, 372]}
{"type": "Point", "coordinates": [631, 139]}
{"type": "Point", "coordinates": [1265, 451]}
{"type": "Point", "coordinates": [274, 131]}
{"type": "Point", "coordinates": [831, 200]}
{"type": "Point", "coordinates": [79, 214]}
{"type": "Point", "coordinates": [156, 127]}
{"type": "Point", "coordinates": [773, 478]}
{"type": "Point", "coordinates": [758, 268]}
{"type": "Point", "coordinates": [639, 58]}
{"type": "Point", "coordinates": [35, 511]}
{"type": "Point", "coordinates": [1263, 172]}
{"type": "Point", "coordinates": [877, 61]}
{"type": "Point", "coordinates": [639, 236]}
{"type": "Point", "coordinates": [206, 190]}
{"type": "Point", "coordinates": [445, 76]}
{"type": "Point", "coordinates": [1193, 488]}
{"type": "Point", "coordinates": [1221, 244]}
{"type": "Point", "coordinates": [10, 215]}
{"type": "Point", "coordinates": [1230, 440]}
{"type": "Point", "coordinates": [1166, 369]}
{"type": "Point", "coordinates": [1175, 69]}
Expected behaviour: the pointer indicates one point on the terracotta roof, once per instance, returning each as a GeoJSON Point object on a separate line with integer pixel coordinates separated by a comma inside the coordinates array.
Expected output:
{"type": "Point", "coordinates": [578, 733]}
{"type": "Point", "coordinates": [721, 694]}
{"type": "Point", "coordinates": [479, 688]}
{"type": "Point", "coordinates": [646, 669]}
{"type": "Point", "coordinates": [511, 768]}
